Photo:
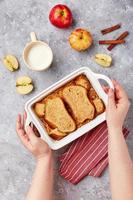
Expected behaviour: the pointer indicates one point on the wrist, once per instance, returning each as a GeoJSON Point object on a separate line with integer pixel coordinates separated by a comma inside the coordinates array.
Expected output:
{"type": "Point", "coordinates": [116, 129]}
{"type": "Point", "coordinates": [45, 156]}
{"type": "Point", "coordinates": [45, 162]}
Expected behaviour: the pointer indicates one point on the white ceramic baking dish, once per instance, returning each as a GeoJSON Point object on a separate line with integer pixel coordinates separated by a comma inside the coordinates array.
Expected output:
{"type": "Point", "coordinates": [32, 118]}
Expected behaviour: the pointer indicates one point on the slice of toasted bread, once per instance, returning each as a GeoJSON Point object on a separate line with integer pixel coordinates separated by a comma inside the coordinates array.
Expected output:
{"type": "Point", "coordinates": [54, 133]}
{"type": "Point", "coordinates": [57, 116]}
{"type": "Point", "coordinates": [92, 94]}
{"type": "Point", "coordinates": [83, 81]}
{"type": "Point", "coordinates": [98, 103]}
{"type": "Point", "coordinates": [40, 109]}
{"type": "Point", "coordinates": [76, 97]}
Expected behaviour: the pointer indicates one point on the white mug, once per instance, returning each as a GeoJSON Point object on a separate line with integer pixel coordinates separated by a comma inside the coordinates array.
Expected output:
{"type": "Point", "coordinates": [37, 55]}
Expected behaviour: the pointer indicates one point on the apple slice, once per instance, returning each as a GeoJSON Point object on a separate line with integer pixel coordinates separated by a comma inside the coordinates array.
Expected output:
{"type": "Point", "coordinates": [24, 85]}
{"type": "Point", "coordinates": [103, 59]}
{"type": "Point", "coordinates": [11, 63]}
{"type": "Point", "coordinates": [40, 109]}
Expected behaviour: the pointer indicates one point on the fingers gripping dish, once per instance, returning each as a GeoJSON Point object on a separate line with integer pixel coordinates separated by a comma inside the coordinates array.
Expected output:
{"type": "Point", "coordinates": [69, 107]}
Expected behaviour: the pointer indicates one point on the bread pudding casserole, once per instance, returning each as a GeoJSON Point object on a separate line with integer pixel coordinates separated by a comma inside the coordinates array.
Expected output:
{"type": "Point", "coordinates": [69, 107]}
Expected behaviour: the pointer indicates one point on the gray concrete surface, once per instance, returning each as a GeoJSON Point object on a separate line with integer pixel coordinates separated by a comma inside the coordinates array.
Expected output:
{"type": "Point", "coordinates": [18, 19]}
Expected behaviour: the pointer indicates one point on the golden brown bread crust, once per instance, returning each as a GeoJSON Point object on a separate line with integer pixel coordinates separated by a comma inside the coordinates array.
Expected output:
{"type": "Point", "coordinates": [76, 97]}
{"type": "Point", "coordinates": [92, 94]}
{"type": "Point", "coordinates": [83, 81]}
{"type": "Point", "coordinates": [99, 106]}
{"type": "Point", "coordinates": [57, 115]}
{"type": "Point", "coordinates": [54, 133]}
{"type": "Point", "coordinates": [89, 105]}
{"type": "Point", "coordinates": [96, 101]}
{"type": "Point", "coordinates": [39, 109]}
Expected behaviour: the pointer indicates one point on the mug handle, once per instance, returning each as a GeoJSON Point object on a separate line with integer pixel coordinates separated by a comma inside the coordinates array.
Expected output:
{"type": "Point", "coordinates": [105, 78]}
{"type": "Point", "coordinates": [33, 37]}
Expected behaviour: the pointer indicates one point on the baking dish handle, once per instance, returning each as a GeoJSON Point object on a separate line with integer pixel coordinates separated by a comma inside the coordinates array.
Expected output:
{"type": "Point", "coordinates": [28, 121]}
{"type": "Point", "coordinates": [105, 78]}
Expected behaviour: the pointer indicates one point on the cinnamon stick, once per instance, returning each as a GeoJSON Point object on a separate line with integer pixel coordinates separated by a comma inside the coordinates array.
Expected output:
{"type": "Point", "coordinates": [121, 37]}
{"type": "Point", "coordinates": [111, 41]}
{"type": "Point", "coordinates": [110, 29]}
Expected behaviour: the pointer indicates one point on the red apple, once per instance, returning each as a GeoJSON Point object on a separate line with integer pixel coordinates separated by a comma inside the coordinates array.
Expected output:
{"type": "Point", "coordinates": [60, 16]}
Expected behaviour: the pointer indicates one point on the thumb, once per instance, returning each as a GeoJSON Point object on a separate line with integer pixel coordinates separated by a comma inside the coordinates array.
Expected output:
{"type": "Point", "coordinates": [33, 138]}
{"type": "Point", "coordinates": [111, 99]}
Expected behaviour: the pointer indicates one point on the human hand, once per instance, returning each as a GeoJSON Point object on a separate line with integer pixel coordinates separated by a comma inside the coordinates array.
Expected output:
{"type": "Point", "coordinates": [117, 108]}
{"type": "Point", "coordinates": [34, 144]}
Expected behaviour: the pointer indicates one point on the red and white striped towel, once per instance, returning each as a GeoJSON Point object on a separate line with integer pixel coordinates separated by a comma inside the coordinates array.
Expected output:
{"type": "Point", "coordinates": [88, 155]}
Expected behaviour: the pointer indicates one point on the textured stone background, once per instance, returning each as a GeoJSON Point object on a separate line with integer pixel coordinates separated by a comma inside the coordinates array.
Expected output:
{"type": "Point", "coordinates": [18, 19]}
